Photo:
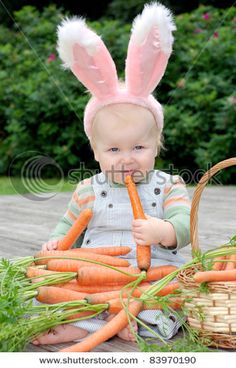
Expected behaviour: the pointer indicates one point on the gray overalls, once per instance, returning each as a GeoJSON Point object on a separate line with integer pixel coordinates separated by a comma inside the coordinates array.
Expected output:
{"type": "Point", "coordinates": [111, 225]}
{"type": "Point", "coordinates": [111, 222]}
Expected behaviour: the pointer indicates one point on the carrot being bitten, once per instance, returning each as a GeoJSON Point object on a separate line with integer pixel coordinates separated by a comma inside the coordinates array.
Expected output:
{"type": "Point", "coordinates": [143, 252]}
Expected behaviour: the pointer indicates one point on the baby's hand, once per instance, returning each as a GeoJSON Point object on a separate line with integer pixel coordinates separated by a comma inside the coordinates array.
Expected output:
{"type": "Point", "coordinates": [50, 245]}
{"type": "Point", "coordinates": [147, 232]}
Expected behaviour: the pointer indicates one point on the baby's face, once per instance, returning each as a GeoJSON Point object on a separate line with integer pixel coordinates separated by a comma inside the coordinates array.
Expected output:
{"type": "Point", "coordinates": [125, 141]}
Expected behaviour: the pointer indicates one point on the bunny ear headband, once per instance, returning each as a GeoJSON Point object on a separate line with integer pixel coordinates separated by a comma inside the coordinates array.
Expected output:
{"type": "Point", "coordinates": [149, 49]}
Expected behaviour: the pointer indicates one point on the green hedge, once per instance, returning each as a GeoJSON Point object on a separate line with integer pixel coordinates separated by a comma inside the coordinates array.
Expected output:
{"type": "Point", "coordinates": [41, 105]}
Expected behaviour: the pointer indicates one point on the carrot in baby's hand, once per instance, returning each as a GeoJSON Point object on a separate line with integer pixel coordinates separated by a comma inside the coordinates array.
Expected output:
{"type": "Point", "coordinates": [143, 252]}
{"type": "Point", "coordinates": [76, 230]}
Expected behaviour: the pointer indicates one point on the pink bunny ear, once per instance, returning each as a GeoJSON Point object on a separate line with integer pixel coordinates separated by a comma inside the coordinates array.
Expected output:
{"type": "Point", "coordinates": [83, 51]}
{"type": "Point", "coordinates": [149, 49]}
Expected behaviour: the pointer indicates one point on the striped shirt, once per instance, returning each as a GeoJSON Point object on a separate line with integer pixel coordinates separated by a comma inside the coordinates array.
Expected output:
{"type": "Point", "coordinates": [176, 209]}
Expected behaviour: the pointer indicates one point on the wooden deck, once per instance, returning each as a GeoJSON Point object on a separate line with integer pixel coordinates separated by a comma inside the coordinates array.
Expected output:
{"type": "Point", "coordinates": [25, 224]}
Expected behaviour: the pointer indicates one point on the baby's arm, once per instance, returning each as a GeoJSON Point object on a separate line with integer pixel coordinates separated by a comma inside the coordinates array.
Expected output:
{"type": "Point", "coordinates": [173, 230]}
{"type": "Point", "coordinates": [83, 191]}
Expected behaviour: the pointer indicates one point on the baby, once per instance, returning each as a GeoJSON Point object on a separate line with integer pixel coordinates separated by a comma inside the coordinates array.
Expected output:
{"type": "Point", "coordinates": [124, 125]}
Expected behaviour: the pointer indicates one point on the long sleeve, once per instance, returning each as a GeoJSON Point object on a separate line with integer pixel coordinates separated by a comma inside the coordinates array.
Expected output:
{"type": "Point", "coordinates": [176, 207]}
{"type": "Point", "coordinates": [82, 197]}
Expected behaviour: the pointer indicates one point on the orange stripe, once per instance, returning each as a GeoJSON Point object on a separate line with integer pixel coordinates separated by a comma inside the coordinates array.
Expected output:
{"type": "Point", "coordinates": [173, 200]}
{"type": "Point", "coordinates": [86, 181]}
{"type": "Point", "coordinates": [86, 200]}
{"type": "Point", "coordinates": [76, 198]}
{"type": "Point", "coordinates": [71, 215]}
{"type": "Point", "coordinates": [168, 188]}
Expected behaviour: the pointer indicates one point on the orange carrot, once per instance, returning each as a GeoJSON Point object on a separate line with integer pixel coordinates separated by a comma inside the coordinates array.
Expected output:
{"type": "Point", "coordinates": [100, 298]}
{"type": "Point", "coordinates": [81, 314]}
{"type": "Point", "coordinates": [108, 250]}
{"type": "Point", "coordinates": [110, 329]}
{"type": "Point", "coordinates": [53, 295]}
{"type": "Point", "coordinates": [103, 297]}
{"type": "Point", "coordinates": [218, 264]}
{"type": "Point", "coordinates": [115, 305]}
{"type": "Point", "coordinates": [231, 265]}
{"type": "Point", "coordinates": [158, 272]}
{"type": "Point", "coordinates": [113, 261]}
{"type": "Point", "coordinates": [76, 229]}
{"type": "Point", "coordinates": [87, 276]}
{"type": "Point", "coordinates": [68, 265]}
{"type": "Point", "coordinates": [143, 252]}
{"type": "Point", "coordinates": [211, 276]}
{"type": "Point", "coordinates": [38, 273]}
{"type": "Point", "coordinates": [91, 289]}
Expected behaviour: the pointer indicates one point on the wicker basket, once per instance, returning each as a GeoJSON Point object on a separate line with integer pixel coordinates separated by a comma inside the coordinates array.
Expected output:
{"type": "Point", "coordinates": [213, 314]}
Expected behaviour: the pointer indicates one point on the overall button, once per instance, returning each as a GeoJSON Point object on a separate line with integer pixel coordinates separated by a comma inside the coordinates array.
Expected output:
{"type": "Point", "coordinates": [157, 191]}
{"type": "Point", "coordinates": [103, 193]}
{"type": "Point", "coordinates": [110, 205]}
{"type": "Point", "coordinates": [154, 204]}
{"type": "Point", "coordinates": [88, 241]}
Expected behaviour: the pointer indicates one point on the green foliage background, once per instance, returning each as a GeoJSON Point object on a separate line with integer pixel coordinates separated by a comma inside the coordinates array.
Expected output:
{"type": "Point", "coordinates": [41, 105]}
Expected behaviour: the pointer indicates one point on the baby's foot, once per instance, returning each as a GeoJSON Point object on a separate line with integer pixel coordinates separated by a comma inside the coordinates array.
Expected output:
{"type": "Point", "coordinates": [62, 333]}
{"type": "Point", "coordinates": [126, 333]}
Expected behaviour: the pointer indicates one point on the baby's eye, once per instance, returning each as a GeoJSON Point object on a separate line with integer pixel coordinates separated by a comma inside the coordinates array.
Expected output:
{"type": "Point", "coordinates": [138, 147]}
{"type": "Point", "coordinates": [114, 149]}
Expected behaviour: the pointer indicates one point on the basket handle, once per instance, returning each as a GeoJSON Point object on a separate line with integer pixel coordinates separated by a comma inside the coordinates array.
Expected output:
{"type": "Point", "coordinates": [197, 196]}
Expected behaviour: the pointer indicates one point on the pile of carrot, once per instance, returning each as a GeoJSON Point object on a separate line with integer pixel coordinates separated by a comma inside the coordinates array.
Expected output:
{"type": "Point", "coordinates": [111, 282]}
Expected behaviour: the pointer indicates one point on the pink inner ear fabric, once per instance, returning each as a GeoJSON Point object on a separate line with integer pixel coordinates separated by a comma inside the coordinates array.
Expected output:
{"type": "Point", "coordinates": [145, 64]}
{"type": "Point", "coordinates": [97, 72]}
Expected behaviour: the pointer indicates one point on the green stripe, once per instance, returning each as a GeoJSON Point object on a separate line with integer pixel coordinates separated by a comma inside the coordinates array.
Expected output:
{"type": "Point", "coordinates": [176, 191]}
{"type": "Point", "coordinates": [176, 210]}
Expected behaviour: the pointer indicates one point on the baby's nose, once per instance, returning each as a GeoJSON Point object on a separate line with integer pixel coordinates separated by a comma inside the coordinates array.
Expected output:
{"type": "Point", "coordinates": [127, 158]}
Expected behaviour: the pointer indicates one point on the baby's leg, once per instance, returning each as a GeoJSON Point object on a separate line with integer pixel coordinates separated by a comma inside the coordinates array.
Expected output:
{"type": "Point", "coordinates": [126, 333]}
{"type": "Point", "coordinates": [61, 333]}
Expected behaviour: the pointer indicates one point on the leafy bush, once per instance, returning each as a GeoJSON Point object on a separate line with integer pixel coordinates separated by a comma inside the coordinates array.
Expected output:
{"type": "Point", "coordinates": [201, 108]}
{"type": "Point", "coordinates": [41, 105]}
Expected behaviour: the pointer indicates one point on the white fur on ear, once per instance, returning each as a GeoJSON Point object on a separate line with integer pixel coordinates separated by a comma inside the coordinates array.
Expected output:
{"type": "Point", "coordinates": [158, 15]}
{"type": "Point", "coordinates": [149, 49]}
{"type": "Point", "coordinates": [84, 52]}
{"type": "Point", "coordinates": [73, 31]}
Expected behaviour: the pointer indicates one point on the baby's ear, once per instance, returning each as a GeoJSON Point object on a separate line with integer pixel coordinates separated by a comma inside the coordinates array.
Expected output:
{"type": "Point", "coordinates": [149, 49]}
{"type": "Point", "coordinates": [83, 51]}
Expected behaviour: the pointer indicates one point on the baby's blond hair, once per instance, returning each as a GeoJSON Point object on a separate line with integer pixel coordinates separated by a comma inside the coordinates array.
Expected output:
{"type": "Point", "coordinates": [119, 112]}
